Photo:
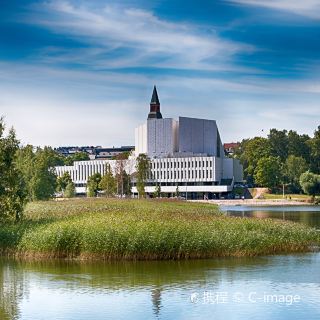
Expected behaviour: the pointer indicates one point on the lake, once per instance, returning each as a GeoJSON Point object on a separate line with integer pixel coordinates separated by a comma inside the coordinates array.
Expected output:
{"type": "Point", "coordinates": [309, 215]}
{"type": "Point", "coordinates": [271, 287]}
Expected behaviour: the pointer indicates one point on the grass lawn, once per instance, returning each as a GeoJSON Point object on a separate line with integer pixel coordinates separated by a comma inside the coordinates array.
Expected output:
{"type": "Point", "coordinates": [301, 197]}
{"type": "Point", "coordinates": [146, 229]}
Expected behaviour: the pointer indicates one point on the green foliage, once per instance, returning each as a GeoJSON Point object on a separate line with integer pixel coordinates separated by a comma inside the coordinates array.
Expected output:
{"type": "Point", "coordinates": [93, 185]}
{"type": "Point", "coordinates": [12, 186]}
{"type": "Point", "coordinates": [294, 167]}
{"type": "Point", "coordinates": [251, 151]}
{"type": "Point", "coordinates": [37, 168]}
{"type": "Point", "coordinates": [108, 183]}
{"type": "Point", "coordinates": [310, 183]}
{"type": "Point", "coordinates": [141, 229]}
{"type": "Point", "coordinates": [126, 184]}
{"type": "Point", "coordinates": [78, 156]}
{"type": "Point", "coordinates": [43, 182]}
{"type": "Point", "coordinates": [70, 190]}
{"type": "Point", "coordinates": [278, 141]}
{"type": "Point", "coordinates": [298, 145]}
{"type": "Point", "coordinates": [297, 153]}
{"type": "Point", "coordinates": [63, 181]}
{"type": "Point", "coordinates": [268, 172]}
{"type": "Point", "coordinates": [157, 192]}
{"type": "Point", "coordinates": [120, 173]}
{"type": "Point", "coordinates": [315, 151]}
{"type": "Point", "coordinates": [177, 192]}
{"type": "Point", "coordinates": [143, 172]}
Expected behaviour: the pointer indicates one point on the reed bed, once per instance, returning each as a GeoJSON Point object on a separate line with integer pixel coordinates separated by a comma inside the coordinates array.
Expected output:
{"type": "Point", "coordinates": [145, 230]}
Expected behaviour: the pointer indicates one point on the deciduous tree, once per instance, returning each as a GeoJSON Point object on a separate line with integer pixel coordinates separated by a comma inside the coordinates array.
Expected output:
{"type": "Point", "coordinates": [310, 183]}
{"type": "Point", "coordinates": [268, 172]}
{"type": "Point", "coordinates": [143, 172]}
{"type": "Point", "coordinates": [108, 183]}
{"type": "Point", "coordinates": [294, 167]}
{"type": "Point", "coordinates": [12, 186]}
{"type": "Point", "coordinates": [93, 185]}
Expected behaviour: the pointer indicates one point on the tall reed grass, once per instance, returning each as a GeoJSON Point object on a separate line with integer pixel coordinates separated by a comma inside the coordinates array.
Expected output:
{"type": "Point", "coordinates": [142, 229]}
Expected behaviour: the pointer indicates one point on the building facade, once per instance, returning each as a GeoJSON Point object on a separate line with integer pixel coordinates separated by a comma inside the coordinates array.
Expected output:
{"type": "Point", "coordinates": [185, 155]}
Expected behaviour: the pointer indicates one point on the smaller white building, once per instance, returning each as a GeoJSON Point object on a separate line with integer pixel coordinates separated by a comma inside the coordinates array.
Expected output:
{"type": "Point", "coordinates": [82, 170]}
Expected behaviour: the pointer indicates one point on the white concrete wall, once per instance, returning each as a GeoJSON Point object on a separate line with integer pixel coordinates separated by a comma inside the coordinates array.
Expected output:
{"type": "Point", "coordinates": [161, 137]}
{"type": "Point", "coordinates": [184, 188]}
{"type": "Point", "coordinates": [232, 168]}
{"type": "Point", "coordinates": [186, 169]}
{"type": "Point", "coordinates": [198, 136]}
{"type": "Point", "coordinates": [228, 168]}
{"type": "Point", "coordinates": [141, 139]}
{"type": "Point", "coordinates": [237, 171]}
{"type": "Point", "coordinates": [82, 170]}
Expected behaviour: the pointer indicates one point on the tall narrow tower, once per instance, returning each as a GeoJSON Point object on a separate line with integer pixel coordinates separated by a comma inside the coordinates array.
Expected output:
{"type": "Point", "coordinates": [155, 106]}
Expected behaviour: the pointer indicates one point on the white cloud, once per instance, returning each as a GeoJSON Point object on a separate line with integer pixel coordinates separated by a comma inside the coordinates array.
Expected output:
{"type": "Point", "coordinates": [61, 107]}
{"type": "Point", "coordinates": [150, 40]}
{"type": "Point", "coordinates": [307, 8]}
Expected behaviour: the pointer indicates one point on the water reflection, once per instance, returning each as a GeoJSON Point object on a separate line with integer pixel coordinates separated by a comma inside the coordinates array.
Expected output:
{"type": "Point", "coordinates": [13, 287]}
{"type": "Point", "coordinates": [308, 215]}
{"type": "Point", "coordinates": [156, 289]}
{"type": "Point", "coordinates": [156, 300]}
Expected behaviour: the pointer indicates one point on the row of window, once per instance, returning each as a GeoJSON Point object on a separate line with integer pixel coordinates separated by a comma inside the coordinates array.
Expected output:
{"type": "Point", "coordinates": [183, 164]}
{"type": "Point", "coordinates": [190, 174]}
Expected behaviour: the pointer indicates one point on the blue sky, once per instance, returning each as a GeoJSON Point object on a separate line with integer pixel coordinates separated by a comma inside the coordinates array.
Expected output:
{"type": "Point", "coordinates": [82, 72]}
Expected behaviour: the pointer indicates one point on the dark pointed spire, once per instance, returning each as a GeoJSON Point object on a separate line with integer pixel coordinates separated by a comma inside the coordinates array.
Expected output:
{"type": "Point", "coordinates": [155, 99]}
{"type": "Point", "coordinates": [154, 106]}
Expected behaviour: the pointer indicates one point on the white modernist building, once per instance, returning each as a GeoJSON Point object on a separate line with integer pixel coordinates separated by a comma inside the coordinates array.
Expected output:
{"type": "Point", "coordinates": [186, 154]}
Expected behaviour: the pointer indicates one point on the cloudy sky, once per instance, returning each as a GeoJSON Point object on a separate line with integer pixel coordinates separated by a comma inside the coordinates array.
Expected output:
{"type": "Point", "coordinates": [82, 72]}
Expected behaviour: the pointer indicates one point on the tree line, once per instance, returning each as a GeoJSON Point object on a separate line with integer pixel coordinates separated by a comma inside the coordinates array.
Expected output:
{"type": "Point", "coordinates": [283, 158]}
{"type": "Point", "coordinates": [27, 173]}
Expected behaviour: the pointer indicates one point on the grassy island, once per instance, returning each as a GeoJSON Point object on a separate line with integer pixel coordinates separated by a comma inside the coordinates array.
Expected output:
{"type": "Point", "coordinates": [146, 229]}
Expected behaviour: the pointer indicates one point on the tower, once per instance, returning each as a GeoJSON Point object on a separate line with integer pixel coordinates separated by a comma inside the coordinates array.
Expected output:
{"type": "Point", "coordinates": [154, 106]}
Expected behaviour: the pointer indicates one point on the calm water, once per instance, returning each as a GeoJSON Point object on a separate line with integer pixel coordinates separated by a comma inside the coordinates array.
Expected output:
{"type": "Point", "coordinates": [221, 289]}
{"type": "Point", "coordinates": [309, 215]}
{"type": "Point", "coordinates": [273, 287]}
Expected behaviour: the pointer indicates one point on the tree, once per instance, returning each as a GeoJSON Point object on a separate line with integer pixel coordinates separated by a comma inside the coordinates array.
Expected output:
{"type": "Point", "coordinates": [121, 162]}
{"type": "Point", "coordinates": [43, 182]}
{"type": "Point", "coordinates": [157, 192]}
{"type": "Point", "coordinates": [298, 145]}
{"type": "Point", "coordinates": [250, 152]}
{"type": "Point", "coordinates": [63, 181]}
{"type": "Point", "coordinates": [37, 168]}
{"type": "Point", "coordinates": [268, 172]}
{"type": "Point", "coordinates": [177, 192]}
{"type": "Point", "coordinates": [25, 159]}
{"type": "Point", "coordinates": [12, 186]}
{"type": "Point", "coordinates": [126, 184]}
{"type": "Point", "coordinates": [278, 141]}
{"type": "Point", "coordinates": [108, 182]}
{"type": "Point", "coordinates": [143, 172]}
{"type": "Point", "coordinates": [93, 185]}
{"type": "Point", "coordinates": [70, 190]}
{"type": "Point", "coordinates": [294, 167]}
{"type": "Point", "coordinates": [78, 156]}
{"type": "Point", "coordinates": [314, 144]}
{"type": "Point", "coordinates": [310, 183]}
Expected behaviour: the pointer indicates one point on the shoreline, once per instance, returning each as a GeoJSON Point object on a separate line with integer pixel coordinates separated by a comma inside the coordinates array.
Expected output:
{"type": "Point", "coordinates": [257, 203]}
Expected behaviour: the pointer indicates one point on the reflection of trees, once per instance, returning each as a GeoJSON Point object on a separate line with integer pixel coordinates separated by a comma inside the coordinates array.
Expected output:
{"type": "Point", "coordinates": [12, 286]}
{"type": "Point", "coordinates": [156, 300]}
